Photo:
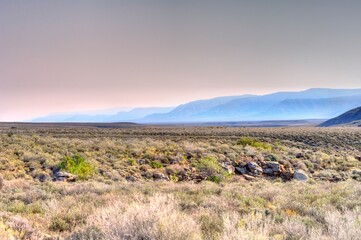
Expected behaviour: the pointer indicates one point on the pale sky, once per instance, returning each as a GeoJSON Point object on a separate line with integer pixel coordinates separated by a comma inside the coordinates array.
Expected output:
{"type": "Point", "coordinates": [69, 55]}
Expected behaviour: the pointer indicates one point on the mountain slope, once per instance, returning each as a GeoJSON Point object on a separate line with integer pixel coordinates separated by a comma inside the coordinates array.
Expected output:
{"type": "Point", "coordinates": [311, 108]}
{"type": "Point", "coordinates": [348, 117]}
{"type": "Point", "coordinates": [185, 111]}
{"type": "Point", "coordinates": [254, 108]}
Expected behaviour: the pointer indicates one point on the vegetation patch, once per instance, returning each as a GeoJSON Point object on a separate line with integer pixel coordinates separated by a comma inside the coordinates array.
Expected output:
{"type": "Point", "coordinates": [248, 141]}
{"type": "Point", "coordinates": [78, 166]}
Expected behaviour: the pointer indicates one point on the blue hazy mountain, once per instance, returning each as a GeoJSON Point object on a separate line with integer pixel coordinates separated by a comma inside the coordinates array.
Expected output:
{"type": "Point", "coordinates": [349, 117]}
{"type": "Point", "coordinates": [309, 104]}
{"type": "Point", "coordinates": [314, 103]}
{"type": "Point", "coordinates": [311, 108]}
{"type": "Point", "coordinates": [187, 111]}
{"type": "Point", "coordinates": [120, 116]}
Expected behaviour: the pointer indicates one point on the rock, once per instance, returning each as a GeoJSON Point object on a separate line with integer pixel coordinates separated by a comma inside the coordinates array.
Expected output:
{"type": "Point", "coordinates": [199, 177]}
{"type": "Point", "coordinates": [356, 174]}
{"type": "Point", "coordinates": [64, 176]}
{"type": "Point", "coordinates": [254, 168]}
{"type": "Point", "coordinates": [160, 177]}
{"type": "Point", "coordinates": [130, 179]}
{"type": "Point", "coordinates": [287, 174]}
{"type": "Point", "coordinates": [229, 168]}
{"type": "Point", "coordinates": [56, 169]}
{"type": "Point", "coordinates": [299, 155]}
{"type": "Point", "coordinates": [43, 177]}
{"type": "Point", "coordinates": [300, 175]}
{"type": "Point", "coordinates": [268, 171]}
{"type": "Point", "coordinates": [275, 166]}
{"type": "Point", "coordinates": [249, 177]}
{"type": "Point", "coordinates": [241, 170]}
{"type": "Point", "coordinates": [142, 162]}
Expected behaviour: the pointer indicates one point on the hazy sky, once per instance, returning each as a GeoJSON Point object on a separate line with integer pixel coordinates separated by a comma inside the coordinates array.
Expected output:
{"type": "Point", "coordinates": [69, 55]}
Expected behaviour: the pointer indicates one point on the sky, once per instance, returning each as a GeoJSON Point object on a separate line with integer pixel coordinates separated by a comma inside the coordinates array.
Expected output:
{"type": "Point", "coordinates": [75, 55]}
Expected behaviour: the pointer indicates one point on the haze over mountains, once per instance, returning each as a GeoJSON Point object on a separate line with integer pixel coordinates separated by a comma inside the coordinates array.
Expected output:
{"type": "Point", "coordinates": [314, 103]}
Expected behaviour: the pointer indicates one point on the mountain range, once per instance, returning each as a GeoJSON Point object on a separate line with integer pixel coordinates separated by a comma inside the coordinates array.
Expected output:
{"type": "Point", "coordinates": [314, 103]}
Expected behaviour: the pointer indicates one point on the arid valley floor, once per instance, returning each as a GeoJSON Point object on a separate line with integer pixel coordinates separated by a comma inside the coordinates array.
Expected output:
{"type": "Point", "coordinates": [125, 181]}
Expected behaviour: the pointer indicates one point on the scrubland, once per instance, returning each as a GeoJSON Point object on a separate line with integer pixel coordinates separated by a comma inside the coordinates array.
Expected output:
{"type": "Point", "coordinates": [180, 183]}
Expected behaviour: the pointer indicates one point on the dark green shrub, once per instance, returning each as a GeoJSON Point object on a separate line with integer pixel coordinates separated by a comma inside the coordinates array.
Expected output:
{"type": "Point", "coordinates": [78, 166]}
{"type": "Point", "coordinates": [215, 179]}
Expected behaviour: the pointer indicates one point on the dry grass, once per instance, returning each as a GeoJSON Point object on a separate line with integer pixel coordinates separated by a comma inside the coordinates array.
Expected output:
{"type": "Point", "coordinates": [106, 206]}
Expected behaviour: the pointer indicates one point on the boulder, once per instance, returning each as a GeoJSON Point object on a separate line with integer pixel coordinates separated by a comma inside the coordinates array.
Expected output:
{"type": "Point", "coordinates": [249, 177]}
{"type": "Point", "coordinates": [300, 175]}
{"type": "Point", "coordinates": [160, 177]}
{"type": "Point", "coordinates": [228, 168]}
{"type": "Point", "coordinates": [64, 176]}
{"type": "Point", "coordinates": [254, 168]}
{"type": "Point", "coordinates": [43, 177]}
{"type": "Point", "coordinates": [275, 166]}
{"type": "Point", "coordinates": [142, 161]}
{"type": "Point", "coordinates": [268, 171]}
{"type": "Point", "coordinates": [241, 170]}
{"type": "Point", "coordinates": [356, 174]}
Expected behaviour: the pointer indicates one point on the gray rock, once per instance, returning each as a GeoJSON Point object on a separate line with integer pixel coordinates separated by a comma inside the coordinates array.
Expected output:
{"type": "Point", "coordinates": [356, 174]}
{"type": "Point", "coordinates": [64, 176]}
{"type": "Point", "coordinates": [254, 168]}
{"type": "Point", "coordinates": [241, 170]}
{"type": "Point", "coordinates": [268, 171]}
{"type": "Point", "coordinates": [275, 166]}
{"type": "Point", "coordinates": [43, 177]}
{"type": "Point", "coordinates": [142, 162]}
{"type": "Point", "coordinates": [300, 175]}
{"type": "Point", "coordinates": [130, 179]}
{"type": "Point", "coordinates": [249, 177]}
{"type": "Point", "coordinates": [229, 168]}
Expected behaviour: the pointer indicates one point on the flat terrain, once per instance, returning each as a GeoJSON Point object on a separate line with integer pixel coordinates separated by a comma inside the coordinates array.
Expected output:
{"type": "Point", "coordinates": [128, 181]}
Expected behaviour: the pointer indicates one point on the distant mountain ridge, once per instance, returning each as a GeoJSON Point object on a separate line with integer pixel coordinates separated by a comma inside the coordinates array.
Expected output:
{"type": "Point", "coordinates": [314, 103]}
{"type": "Point", "coordinates": [121, 116]}
{"type": "Point", "coordinates": [349, 117]}
{"type": "Point", "coordinates": [309, 104]}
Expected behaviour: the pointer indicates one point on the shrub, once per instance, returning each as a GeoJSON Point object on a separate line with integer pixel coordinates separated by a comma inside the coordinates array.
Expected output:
{"type": "Point", "coordinates": [156, 164]}
{"type": "Point", "coordinates": [210, 165]}
{"type": "Point", "coordinates": [78, 166]}
{"type": "Point", "coordinates": [248, 141]}
{"type": "Point", "coordinates": [132, 162]}
{"type": "Point", "coordinates": [215, 179]}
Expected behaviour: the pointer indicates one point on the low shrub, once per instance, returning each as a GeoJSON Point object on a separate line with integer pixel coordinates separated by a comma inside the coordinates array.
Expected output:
{"type": "Point", "coordinates": [156, 164]}
{"type": "Point", "coordinates": [78, 166]}
{"type": "Point", "coordinates": [210, 165]}
{"type": "Point", "coordinates": [248, 141]}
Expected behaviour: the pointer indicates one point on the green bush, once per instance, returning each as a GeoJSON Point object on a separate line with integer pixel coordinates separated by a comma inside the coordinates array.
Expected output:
{"type": "Point", "coordinates": [132, 162]}
{"type": "Point", "coordinates": [215, 179]}
{"type": "Point", "coordinates": [211, 165]}
{"type": "Point", "coordinates": [78, 166]}
{"type": "Point", "coordinates": [156, 164]}
{"type": "Point", "coordinates": [214, 170]}
{"type": "Point", "coordinates": [248, 141]}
